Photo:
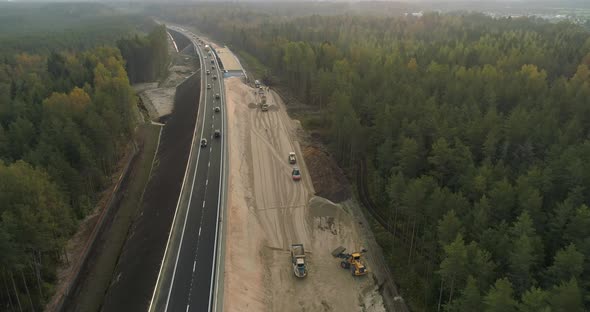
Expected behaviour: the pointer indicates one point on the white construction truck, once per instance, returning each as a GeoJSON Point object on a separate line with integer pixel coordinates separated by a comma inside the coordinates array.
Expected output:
{"type": "Point", "coordinates": [298, 260]}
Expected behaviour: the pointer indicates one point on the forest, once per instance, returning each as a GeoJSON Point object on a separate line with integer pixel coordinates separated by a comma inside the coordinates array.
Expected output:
{"type": "Point", "coordinates": [475, 133]}
{"type": "Point", "coordinates": [146, 56]}
{"type": "Point", "coordinates": [41, 28]}
{"type": "Point", "coordinates": [67, 115]}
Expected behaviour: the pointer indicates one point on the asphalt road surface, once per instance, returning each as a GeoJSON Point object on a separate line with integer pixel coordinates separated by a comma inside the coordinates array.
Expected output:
{"type": "Point", "coordinates": [186, 279]}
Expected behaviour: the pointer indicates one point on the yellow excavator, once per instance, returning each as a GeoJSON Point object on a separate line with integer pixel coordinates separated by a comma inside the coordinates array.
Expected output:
{"type": "Point", "coordinates": [351, 261]}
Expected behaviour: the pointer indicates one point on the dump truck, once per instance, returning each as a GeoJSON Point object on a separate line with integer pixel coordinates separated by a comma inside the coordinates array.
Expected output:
{"type": "Point", "coordinates": [351, 261]}
{"type": "Point", "coordinates": [298, 260]}
{"type": "Point", "coordinates": [292, 159]}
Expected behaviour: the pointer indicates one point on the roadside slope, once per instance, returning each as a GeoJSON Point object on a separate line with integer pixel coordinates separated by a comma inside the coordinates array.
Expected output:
{"type": "Point", "coordinates": [138, 266]}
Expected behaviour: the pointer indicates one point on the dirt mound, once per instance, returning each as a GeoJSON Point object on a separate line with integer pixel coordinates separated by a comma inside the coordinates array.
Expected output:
{"type": "Point", "coordinates": [328, 179]}
{"type": "Point", "coordinates": [321, 207]}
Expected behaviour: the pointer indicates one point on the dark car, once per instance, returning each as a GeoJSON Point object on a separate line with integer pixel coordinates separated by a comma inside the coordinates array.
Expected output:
{"type": "Point", "coordinates": [203, 142]}
{"type": "Point", "coordinates": [296, 174]}
{"type": "Point", "coordinates": [217, 133]}
{"type": "Point", "coordinates": [217, 109]}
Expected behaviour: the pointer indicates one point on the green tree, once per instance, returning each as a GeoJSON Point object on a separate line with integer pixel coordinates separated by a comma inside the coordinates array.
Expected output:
{"type": "Point", "coordinates": [470, 299]}
{"type": "Point", "coordinates": [409, 156]}
{"type": "Point", "coordinates": [500, 297]}
{"type": "Point", "coordinates": [448, 228]}
{"type": "Point", "coordinates": [534, 300]}
{"type": "Point", "coordinates": [567, 264]}
{"type": "Point", "coordinates": [453, 267]}
{"type": "Point", "coordinates": [567, 296]}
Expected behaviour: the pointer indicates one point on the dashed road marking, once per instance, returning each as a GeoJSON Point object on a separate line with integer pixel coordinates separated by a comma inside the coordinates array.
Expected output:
{"type": "Point", "coordinates": [194, 265]}
{"type": "Point", "coordinates": [203, 204]}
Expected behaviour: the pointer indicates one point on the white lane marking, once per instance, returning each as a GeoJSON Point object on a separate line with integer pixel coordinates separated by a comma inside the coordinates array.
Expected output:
{"type": "Point", "coordinates": [203, 204]}
{"type": "Point", "coordinates": [187, 306]}
{"type": "Point", "coordinates": [212, 126]}
{"type": "Point", "coordinates": [211, 148]}
{"type": "Point", "coordinates": [184, 181]}
{"type": "Point", "coordinates": [209, 164]}
{"type": "Point", "coordinates": [194, 264]}
{"type": "Point", "coordinates": [199, 231]}
{"type": "Point", "coordinates": [189, 203]}
{"type": "Point", "coordinates": [207, 182]}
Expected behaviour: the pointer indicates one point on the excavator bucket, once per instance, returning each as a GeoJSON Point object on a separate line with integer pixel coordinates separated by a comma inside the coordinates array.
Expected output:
{"type": "Point", "coordinates": [338, 251]}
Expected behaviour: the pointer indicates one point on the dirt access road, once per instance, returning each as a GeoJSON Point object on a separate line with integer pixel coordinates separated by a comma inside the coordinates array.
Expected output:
{"type": "Point", "coordinates": [268, 211]}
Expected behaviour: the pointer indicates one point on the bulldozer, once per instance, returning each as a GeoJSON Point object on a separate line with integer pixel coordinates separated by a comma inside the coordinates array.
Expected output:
{"type": "Point", "coordinates": [351, 261]}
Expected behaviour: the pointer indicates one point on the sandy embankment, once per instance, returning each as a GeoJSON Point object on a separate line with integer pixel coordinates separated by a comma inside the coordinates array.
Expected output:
{"type": "Point", "coordinates": [268, 212]}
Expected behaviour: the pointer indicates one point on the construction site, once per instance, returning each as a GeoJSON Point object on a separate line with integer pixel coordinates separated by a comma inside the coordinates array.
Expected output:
{"type": "Point", "coordinates": [287, 249]}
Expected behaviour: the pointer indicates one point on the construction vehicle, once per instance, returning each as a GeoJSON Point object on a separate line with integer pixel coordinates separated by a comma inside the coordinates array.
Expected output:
{"type": "Point", "coordinates": [298, 260]}
{"type": "Point", "coordinates": [292, 159]}
{"type": "Point", "coordinates": [351, 261]}
{"type": "Point", "coordinates": [263, 104]}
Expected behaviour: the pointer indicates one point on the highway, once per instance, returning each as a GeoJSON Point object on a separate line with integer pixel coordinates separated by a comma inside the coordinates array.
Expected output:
{"type": "Point", "coordinates": [187, 278]}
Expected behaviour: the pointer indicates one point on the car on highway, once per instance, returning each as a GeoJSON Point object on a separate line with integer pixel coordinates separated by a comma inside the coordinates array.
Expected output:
{"type": "Point", "coordinates": [296, 174]}
{"type": "Point", "coordinates": [208, 72]}
{"type": "Point", "coordinates": [217, 95]}
{"type": "Point", "coordinates": [203, 142]}
{"type": "Point", "coordinates": [292, 159]}
{"type": "Point", "coordinates": [214, 77]}
{"type": "Point", "coordinates": [213, 67]}
{"type": "Point", "coordinates": [217, 109]}
{"type": "Point", "coordinates": [212, 61]}
{"type": "Point", "coordinates": [208, 86]}
{"type": "Point", "coordinates": [217, 133]}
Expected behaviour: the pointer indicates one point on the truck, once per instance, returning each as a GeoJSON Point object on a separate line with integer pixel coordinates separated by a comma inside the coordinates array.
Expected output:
{"type": "Point", "coordinates": [298, 260]}
{"type": "Point", "coordinates": [263, 104]}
